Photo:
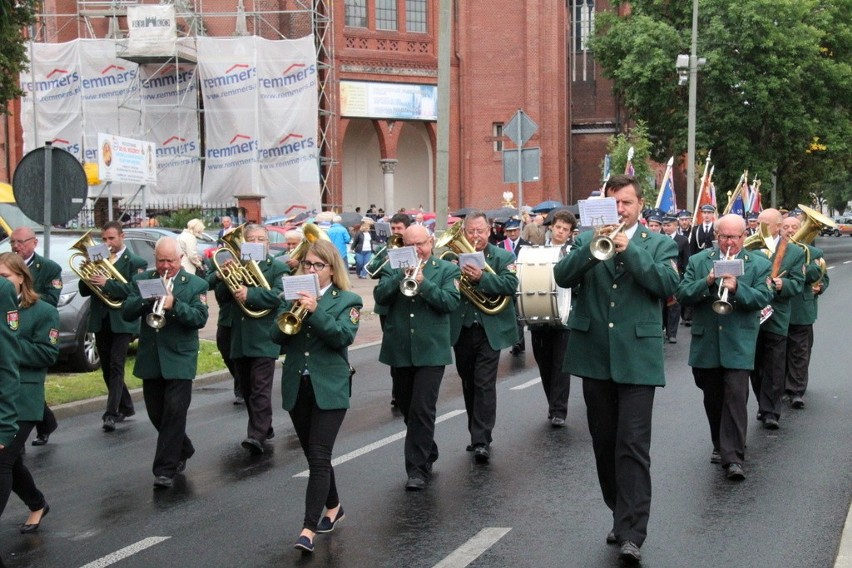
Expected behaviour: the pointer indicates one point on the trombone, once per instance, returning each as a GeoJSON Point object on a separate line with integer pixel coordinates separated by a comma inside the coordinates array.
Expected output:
{"type": "Point", "coordinates": [722, 306]}
{"type": "Point", "coordinates": [157, 318]}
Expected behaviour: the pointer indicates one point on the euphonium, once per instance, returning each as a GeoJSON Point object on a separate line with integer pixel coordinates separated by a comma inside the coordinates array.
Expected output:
{"type": "Point", "coordinates": [722, 306]}
{"type": "Point", "coordinates": [157, 317]}
{"type": "Point", "coordinates": [602, 246]}
{"type": "Point", "coordinates": [237, 273]}
{"type": "Point", "coordinates": [763, 239]}
{"type": "Point", "coordinates": [86, 269]}
{"type": "Point", "coordinates": [311, 234]}
{"type": "Point", "coordinates": [380, 259]}
{"type": "Point", "coordinates": [456, 243]}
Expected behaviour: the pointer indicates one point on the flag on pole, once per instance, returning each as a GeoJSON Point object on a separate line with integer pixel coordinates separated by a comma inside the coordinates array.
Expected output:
{"type": "Point", "coordinates": [707, 194]}
{"type": "Point", "coordinates": [736, 204]}
{"type": "Point", "coordinates": [628, 167]}
{"type": "Point", "coordinates": [666, 199]}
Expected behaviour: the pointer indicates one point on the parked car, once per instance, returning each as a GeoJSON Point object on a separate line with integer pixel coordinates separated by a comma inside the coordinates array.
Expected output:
{"type": "Point", "coordinates": [844, 227]}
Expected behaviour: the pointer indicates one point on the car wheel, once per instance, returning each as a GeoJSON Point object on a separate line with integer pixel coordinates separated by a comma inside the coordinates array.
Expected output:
{"type": "Point", "coordinates": [86, 357]}
{"type": "Point", "coordinates": [836, 232]}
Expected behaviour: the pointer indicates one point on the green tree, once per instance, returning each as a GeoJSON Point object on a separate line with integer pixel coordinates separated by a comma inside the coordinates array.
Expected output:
{"type": "Point", "coordinates": [778, 76]}
{"type": "Point", "coordinates": [15, 15]}
{"type": "Point", "coordinates": [618, 146]}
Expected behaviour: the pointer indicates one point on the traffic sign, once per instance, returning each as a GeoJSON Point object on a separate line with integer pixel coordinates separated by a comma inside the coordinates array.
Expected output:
{"type": "Point", "coordinates": [63, 192]}
{"type": "Point", "coordinates": [520, 128]}
{"type": "Point", "coordinates": [530, 169]}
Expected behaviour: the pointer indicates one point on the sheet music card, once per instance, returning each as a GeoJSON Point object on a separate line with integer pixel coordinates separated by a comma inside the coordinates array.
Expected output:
{"type": "Point", "coordinates": [252, 251]}
{"type": "Point", "coordinates": [476, 259]}
{"type": "Point", "coordinates": [97, 253]}
{"type": "Point", "coordinates": [152, 288]}
{"type": "Point", "coordinates": [733, 267]}
{"type": "Point", "coordinates": [402, 257]}
{"type": "Point", "coordinates": [595, 212]}
{"type": "Point", "coordinates": [301, 283]}
{"type": "Point", "coordinates": [383, 230]}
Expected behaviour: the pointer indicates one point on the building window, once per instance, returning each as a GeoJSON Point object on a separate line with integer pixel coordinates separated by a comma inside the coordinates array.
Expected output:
{"type": "Point", "coordinates": [386, 18]}
{"type": "Point", "coordinates": [497, 134]}
{"type": "Point", "coordinates": [356, 13]}
{"type": "Point", "coordinates": [582, 64]}
{"type": "Point", "coordinates": [415, 16]}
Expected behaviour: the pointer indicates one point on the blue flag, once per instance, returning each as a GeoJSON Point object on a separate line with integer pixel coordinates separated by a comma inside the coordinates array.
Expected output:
{"type": "Point", "coordinates": [737, 207]}
{"type": "Point", "coordinates": [666, 201]}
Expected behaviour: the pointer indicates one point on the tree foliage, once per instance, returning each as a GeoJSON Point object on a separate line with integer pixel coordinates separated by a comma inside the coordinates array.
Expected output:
{"type": "Point", "coordinates": [15, 15]}
{"type": "Point", "coordinates": [773, 97]}
{"type": "Point", "coordinates": [618, 146]}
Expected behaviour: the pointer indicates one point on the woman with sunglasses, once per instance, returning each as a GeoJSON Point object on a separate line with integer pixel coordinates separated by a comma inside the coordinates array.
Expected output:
{"type": "Point", "coordinates": [316, 380]}
{"type": "Point", "coordinates": [37, 325]}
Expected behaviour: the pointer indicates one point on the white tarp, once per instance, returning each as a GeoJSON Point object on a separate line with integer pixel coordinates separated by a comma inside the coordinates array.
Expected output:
{"type": "Point", "coordinates": [152, 29]}
{"type": "Point", "coordinates": [260, 111]}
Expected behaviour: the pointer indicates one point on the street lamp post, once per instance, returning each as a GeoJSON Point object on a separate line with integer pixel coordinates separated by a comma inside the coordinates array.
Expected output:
{"type": "Point", "coordinates": [687, 67]}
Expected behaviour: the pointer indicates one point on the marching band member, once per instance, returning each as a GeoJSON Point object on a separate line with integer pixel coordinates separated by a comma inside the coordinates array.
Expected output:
{"type": "Point", "coordinates": [478, 336]}
{"type": "Point", "coordinates": [702, 234]}
{"type": "Point", "coordinates": [722, 350]}
{"type": "Point", "coordinates": [316, 382]}
{"type": "Point", "coordinates": [671, 308]}
{"type": "Point", "coordinates": [616, 347]}
{"type": "Point", "coordinates": [786, 280]}
{"type": "Point", "coordinates": [36, 324]}
{"type": "Point", "coordinates": [416, 345]}
{"type": "Point", "coordinates": [167, 357]}
{"type": "Point", "coordinates": [514, 243]}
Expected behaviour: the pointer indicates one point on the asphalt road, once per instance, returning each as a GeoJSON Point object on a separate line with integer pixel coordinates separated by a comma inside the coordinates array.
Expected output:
{"type": "Point", "coordinates": [536, 504]}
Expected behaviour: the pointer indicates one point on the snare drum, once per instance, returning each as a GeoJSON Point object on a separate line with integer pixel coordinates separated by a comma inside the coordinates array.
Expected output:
{"type": "Point", "coordinates": [540, 300]}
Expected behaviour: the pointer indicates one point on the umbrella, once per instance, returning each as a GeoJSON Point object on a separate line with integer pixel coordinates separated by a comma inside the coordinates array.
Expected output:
{"type": "Point", "coordinates": [350, 218]}
{"type": "Point", "coordinates": [463, 212]}
{"type": "Point", "coordinates": [546, 206]}
{"type": "Point", "coordinates": [572, 208]}
{"type": "Point", "coordinates": [502, 212]}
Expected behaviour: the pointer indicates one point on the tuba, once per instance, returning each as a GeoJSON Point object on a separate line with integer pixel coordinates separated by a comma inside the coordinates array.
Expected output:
{"type": "Point", "coordinates": [238, 273]}
{"type": "Point", "coordinates": [812, 225]}
{"type": "Point", "coordinates": [312, 234]}
{"type": "Point", "coordinates": [456, 243]}
{"type": "Point", "coordinates": [381, 258]}
{"type": "Point", "coordinates": [87, 268]}
{"type": "Point", "coordinates": [761, 240]}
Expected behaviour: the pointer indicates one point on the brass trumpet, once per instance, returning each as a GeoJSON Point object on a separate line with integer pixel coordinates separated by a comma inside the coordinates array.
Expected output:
{"type": "Point", "coordinates": [87, 268]}
{"type": "Point", "coordinates": [409, 287]}
{"type": "Point", "coordinates": [157, 318]}
{"type": "Point", "coordinates": [722, 306]}
{"type": "Point", "coordinates": [602, 246]}
{"type": "Point", "coordinates": [290, 322]}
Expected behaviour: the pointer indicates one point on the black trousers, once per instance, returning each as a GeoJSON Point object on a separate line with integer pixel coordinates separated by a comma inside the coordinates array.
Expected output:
{"type": "Point", "coordinates": [14, 475]}
{"type": "Point", "coordinates": [767, 379]}
{"type": "Point", "coordinates": [726, 406]}
{"type": "Point", "coordinates": [112, 347]}
{"type": "Point", "coordinates": [619, 419]}
{"type": "Point", "coordinates": [223, 343]}
{"type": "Point", "coordinates": [47, 425]}
{"type": "Point", "coordinates": [256, 385]}
{"type": "Point", "coordinates": [800, 342]}
{"type": "Point", "coordinates": [382, 318]}
{"type": "Point", "coordinates": [549, 345]}
{"type": "Point", "coordinates": [417, 391]}
{"type": "Point", "coordinates": [476, 363]}
{"type": "Point", "coordinates": [167, 402]}
{"type": "Point", "coordinates": [671, 318]}
{"type": "Point", "coordinates": [317, 430]}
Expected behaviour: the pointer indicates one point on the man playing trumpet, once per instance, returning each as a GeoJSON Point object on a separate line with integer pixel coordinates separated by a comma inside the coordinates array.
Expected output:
{"type": "Point", "coordinates": [722, 350]}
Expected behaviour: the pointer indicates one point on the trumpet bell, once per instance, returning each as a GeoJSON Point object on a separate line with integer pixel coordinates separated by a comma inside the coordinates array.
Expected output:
{"type": "Point", "coordinates": [602, 247]}
{"type": "Point", "coordinates": [409, 287]}
{"type": "Point", "coordinates": [290, 322]}
{"type": "Point", "coordinates": [722, 307]}
{"type": "Point", "coordinates": [155, 321]}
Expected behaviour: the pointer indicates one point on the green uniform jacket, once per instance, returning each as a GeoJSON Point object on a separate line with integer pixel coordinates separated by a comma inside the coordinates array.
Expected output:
{"type": "Point", "coordinates": [793, 268]}
{"type": "Point", "coordinates": [47, 279]}
{"type": "Point", "coordinates": [129, 265]}
{"type": "Point", "coordinates": [803, 307]}
{"type": "Point", "coordinates": [616, 321]}
{"type": "Point", "coordinates": [38, 342]}
{"type": "Point", "coordinates": [373, 268]}
{"type": "Point", "coordinates": [501, 329]}
{"type": "Point", "coordinates": [172, 351]}
{"type": "Point", "coordinates": [725, 340]}
{"type": "Point", "coordinates": [250, 336]}
{"type": "Point", "coordinates": [321, 347]}
{"type": "Point", "coordinates": [9, 357]}
{"type": "Point", "coordinates": [417, 329]}
{"type": "Point", "coordinates": [221, 292]}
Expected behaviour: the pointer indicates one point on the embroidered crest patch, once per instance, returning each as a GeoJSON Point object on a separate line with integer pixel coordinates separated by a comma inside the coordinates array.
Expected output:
{"type": "Point", "coordinates": [56, 284]}
{"type": "Point", "coordinates": [54, 336]}
{"type": "Point", "coordinates": [203, 298]}
{"type": "Point", "coordinates": [12, 320]}
{"type": "Point", "coordinates": [354, 315]}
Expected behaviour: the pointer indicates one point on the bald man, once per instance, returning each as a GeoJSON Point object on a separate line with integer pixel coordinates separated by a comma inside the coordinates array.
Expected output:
{"type": "Point", "coordinates": [786, 280]}
{"type": "Point", "coordinates": [416, 344]}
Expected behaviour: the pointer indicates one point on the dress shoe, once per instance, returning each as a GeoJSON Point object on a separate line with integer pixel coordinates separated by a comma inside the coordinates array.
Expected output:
{"type": "Point", "coordinates": [41, 440]}
{"type": "Point", "coordinates": [238, 399]}
{"type": "Point", "coordinates": [715, 457]}
{"type": "Point", "coordinates": [610, 538]}
{"type": "Point", "coordinates": [181, 466]}
{"type": "Point", "coordinates": [253, 446]}
{"type": "Point", "coordinates": [305, 544]}
{"type": "Point", "coordinates": [415, 484]}
{"type": "Point", "coordinates": [394, 403]}
{"type": "Point", "coordinates": [326, 525]}
{"type": "Point", "coordinates": [557, 422]}
{"type": "Point", "coordinates": [735, 472]}
{"type": "Point", "coordinates": [126, 413]}
{"type": "Point", "coordinates": [109, 424]}
{"type": "Point", "coordinates": [481, 453]}
{"type": "Point", "coordinates": [797, 402]}
{"type": "Point", "coordinates": [770, 422]}
{"type": "Point", "coordinates": [629, 553]}
{"type": "Point", "coordinates": [163, 482]}
{"type": "Point", "coordinates": [516, 350]}
{"type": "Point", "coordinates": [468, 448]}
{"type": "Point", "coordinates": [672, 339]}
{"type": "Point", "coordinates": [270, 433]}
{"type": "Point", "coordinates": [760, 416]}
{"type": "Point", "coordinates": [26, 529]}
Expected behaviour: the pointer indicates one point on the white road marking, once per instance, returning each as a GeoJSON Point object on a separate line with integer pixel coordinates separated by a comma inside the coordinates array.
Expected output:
{"type": "Point", "coordinates": [526, 385]}
{"type": "Point", "coordinates": [378, 444]}
{"type": "Point", "coordinates": [126, 552]}
{"type": "Point", "coordinates": [847, 262]}
{"type": "Point", "coordinates": [844, 553]}
{"type": "Point", "coordinates": [470, 551]}
{"type": "Point", "coordinates": [830, 267]}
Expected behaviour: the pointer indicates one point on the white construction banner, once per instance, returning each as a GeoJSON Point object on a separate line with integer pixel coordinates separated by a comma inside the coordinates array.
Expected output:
{"type": "Point", "coordinates": [260, 102]}
{"type": "Point", "coordinates": [126, 160]}
{"type": "Point", "coordinates": [152, 29]}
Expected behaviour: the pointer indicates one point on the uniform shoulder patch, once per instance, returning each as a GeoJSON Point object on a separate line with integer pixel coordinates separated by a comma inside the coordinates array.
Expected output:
{"type": "Point", "coordinates": [12, 319]}
{"type": "Point", "coordinates": [644, 235]}
{"type": "Point", "coordinates": [355, 315]}
{"type": "Point", "coordinates": [57, 284]}
{"type": "Point", "coordinates": [54, 336]}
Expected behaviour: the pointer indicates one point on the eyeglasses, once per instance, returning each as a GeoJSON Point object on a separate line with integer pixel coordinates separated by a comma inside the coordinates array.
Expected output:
{"type": "Point", "coordinates": [318, 266]}
{"type": "Point", "coordinates": [477, 231]}
{"type": "Point", "coordinates": [14, 242]}
{"type": "Point", "coordinates": [729, 237]}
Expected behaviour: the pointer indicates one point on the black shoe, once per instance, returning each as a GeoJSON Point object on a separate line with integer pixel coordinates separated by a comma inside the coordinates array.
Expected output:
{"type": "Point", "coordinates": [672, 339]}
{"type": "Point", "coordinates": [41, 440]}
{"type": "Point", "coordinates": [181, 466]}
{"type": "Point", "coordinates": [26, 529]}
{"type": "Point", "coordinates": [481, 453]}
{"type": "Point", "coordinates": [415, 484]}
{"type": "Point", "coordinates": [688, 323]}
{"type": "Point", "coordinates": [163, 482]}
{"type": "Point", "coordinates": [760, 416]}
{"type": "Point", "coordinates": [270, 433]}
{"type": "Point", "coordinates": [557, 422]}
{"type": "Point", "coordinates": [394, 403]}
{"type": "Point", "coordinates": [770, 422]}
{"type": "Point", "coordinates": [516, 350]}
{"type": "Point", "coordinates": [715, 457]}
{"type": "Point", "coordinates": [735, 472]}
{"type": "Point", "coordinates": [610, 537]}
{"type": "Point", "coordinates": [326, 525]}
{"type": "Point", "coordinates": [795, 401]}
{"type": "Point", "coordinates": [304, 544]}
{"type": "Point", "coordinates": [109, 424]}
{"type": "Point", "coordinates": [253, 446]}
{"type": "Point", "coordinates": [238, 399]}
{"type": "Point", "coordinates": [629, 553]}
